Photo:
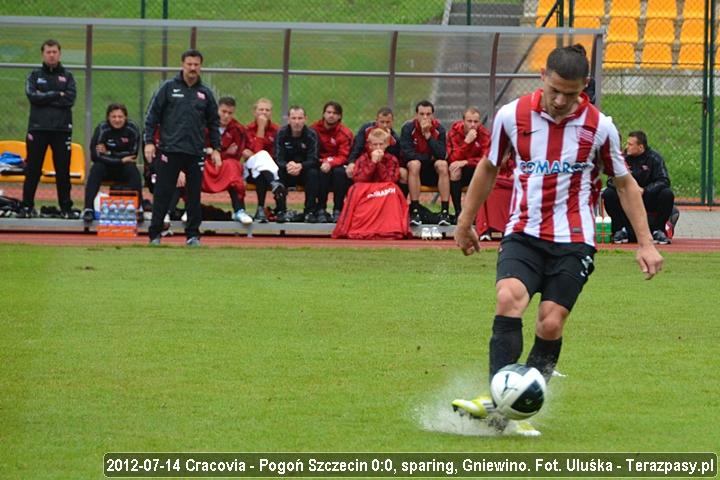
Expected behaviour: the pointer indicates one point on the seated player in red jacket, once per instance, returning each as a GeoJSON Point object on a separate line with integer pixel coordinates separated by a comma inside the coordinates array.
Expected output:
{"type": "Point", "coordinates": [383, 120]}
{"type": "Point", "coordinates": [259, 154]}
{"type": "Point", "coordinates": [376, 164]}
{"type": "Point", "coordinates": [335, 140]}
{"type": "Point", "coordinates": [422, 141]}
{"type": "Point", "coordinates": [228, 175]}
{"type": "Point", "coordinates": [375, 205]}
{"type": "Point", "coordinates": [468, 143]}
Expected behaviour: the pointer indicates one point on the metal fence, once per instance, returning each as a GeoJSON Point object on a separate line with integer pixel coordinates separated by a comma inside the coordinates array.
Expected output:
{"type": "Point", "coordinates": [362, 66]}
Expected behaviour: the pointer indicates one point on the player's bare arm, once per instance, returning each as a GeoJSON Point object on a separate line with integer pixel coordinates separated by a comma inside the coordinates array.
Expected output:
{"type": "Point", "coordinates": [630, 194]}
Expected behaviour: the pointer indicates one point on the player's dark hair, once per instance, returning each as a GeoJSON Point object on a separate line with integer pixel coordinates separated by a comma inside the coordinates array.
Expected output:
{"type": "Point", "coordinates": [335, 105]}
{"type": "Point", "coordinates": [384, 111]}
{"type": "Point", "coordinates": [229, 101]}
{"type": "Point", "coordinates": [424, 103]}
{"type": "Point", "coordinates": [191, 53]}
{"type": "Point", "coordinates": [115, 106]}
{"type": "Point", "coordinates": [50, 43]}
{"type": "Point", "coordinates": [296, 107]}
{"type": "Point", "coordinates": [570, 63]}
{"type": "Point", "coordinates": [641, 137]}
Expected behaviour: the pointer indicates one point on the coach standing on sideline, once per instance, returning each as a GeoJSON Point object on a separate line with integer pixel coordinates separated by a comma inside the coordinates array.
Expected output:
{"type": "Point", "coordinates": [183, 107]}
{"type": "Point", "coordinates": [51, 91]}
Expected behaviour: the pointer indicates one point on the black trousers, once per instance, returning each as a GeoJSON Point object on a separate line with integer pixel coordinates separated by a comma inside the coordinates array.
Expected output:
{"type": "Point", "coordinates": [168, 166]}
{"type": "Point", "coordinates": [658, 204]}
{"type": "Point", "coordinates": [127, 173]}
{"type": "Point", "coordinates": [37, 144]}
{"type": "Point", "coordinates": [337, 181]}
{"type": "Point", "coordinates": [309, 179]}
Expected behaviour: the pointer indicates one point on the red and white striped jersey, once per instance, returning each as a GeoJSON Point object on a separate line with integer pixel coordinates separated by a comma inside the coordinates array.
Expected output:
{"type": "Point", "coordinates": [557, 174]}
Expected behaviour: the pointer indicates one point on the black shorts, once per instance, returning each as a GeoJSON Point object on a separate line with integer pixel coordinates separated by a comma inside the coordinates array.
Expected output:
{"type": "Point", "coordinates": [428, 174]}
{"type": "Point", "coordinates": [466, 174]}
{"type": "Point", "coordinates": [557, 270]}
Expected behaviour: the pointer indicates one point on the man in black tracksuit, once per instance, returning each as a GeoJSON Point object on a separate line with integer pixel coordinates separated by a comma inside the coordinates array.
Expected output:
{"type": "Point", "coordinates": [51, 91]}
{"type": "Point", "coordinates": [648, 169]}
{"type": "Point", "coordinates": [114, 150]}
{"type": "Point", "coordinates": [183, 108]}
{"type": "Point", "coordinates": [296, 155]}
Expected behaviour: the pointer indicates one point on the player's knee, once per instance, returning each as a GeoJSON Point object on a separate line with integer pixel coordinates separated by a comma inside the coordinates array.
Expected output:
{"type": "Point", "coordinates": [413, 167]}
{"type": "Point", "coordinates": [441, 167]}
{"type": "Point", "coordinates": [509, 299]}
{"type": "Point", "coordinates": [455, 176]}
{"type": "Point", "coordinates": [550, 328]}
{"type": "Point", "coordinates": [403, 175]}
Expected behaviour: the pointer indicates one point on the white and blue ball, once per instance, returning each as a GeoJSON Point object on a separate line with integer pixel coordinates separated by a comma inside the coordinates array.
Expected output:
{"type": "Point", "coordinates": [518, 391]}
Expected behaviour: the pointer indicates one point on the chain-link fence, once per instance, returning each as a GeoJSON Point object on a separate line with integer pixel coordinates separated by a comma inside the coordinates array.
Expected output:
{"type": "Point", "coordinates": [652, 66]}
{"type": "Point", "coordinates": [334, 11]}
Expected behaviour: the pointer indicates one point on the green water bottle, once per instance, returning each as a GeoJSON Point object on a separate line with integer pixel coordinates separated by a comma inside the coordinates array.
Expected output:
{"type": "Point", "coordinates": [607, 229]}
{"type": "Point", "coordinates": [599, 229]}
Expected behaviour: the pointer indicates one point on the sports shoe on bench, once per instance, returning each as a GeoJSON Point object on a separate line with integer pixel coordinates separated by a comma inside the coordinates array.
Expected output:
{"type": "Point", "coordinates": [415, 218]}
{"type": "Point", "coordinates": [88, 215]}
{"type": "Point", "coordinates": [444, 219]}
{"type": "Point", "coordinates": [242, 217]}
{"type": "Point", "coordinates": [322, 216]}
{"type": "Point", "coordinates": [260, 216]}
{"type": "Point", "coordinates": [27, 212]}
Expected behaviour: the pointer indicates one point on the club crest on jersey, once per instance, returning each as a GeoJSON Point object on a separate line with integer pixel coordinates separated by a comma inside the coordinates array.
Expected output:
{"type": "Point", "coordinates": [61, 78]}
{"type": "Point", "coordinates": [586, 134]}
{"type": "Point", "coordinates": [546, 167]}
{"type": "Point", "coordinates": [201, 95]}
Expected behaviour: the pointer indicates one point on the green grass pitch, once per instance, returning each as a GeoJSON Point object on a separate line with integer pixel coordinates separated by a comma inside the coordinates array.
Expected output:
{"type": "Point", "coordinates": [275, 349]}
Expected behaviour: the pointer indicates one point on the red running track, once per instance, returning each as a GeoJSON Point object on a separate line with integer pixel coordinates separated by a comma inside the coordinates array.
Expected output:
{"type": "Point", "coordinates": [88, 239]}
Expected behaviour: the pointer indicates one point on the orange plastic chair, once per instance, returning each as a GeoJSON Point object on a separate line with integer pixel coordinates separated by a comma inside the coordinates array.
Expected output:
{"type": "Point", "coordinates": [586, 22]}
{"type": "Point", "coordinates": [17, 147]}
{"type": "Point", "coordinates": [619, 56]}
{"type": "Point", "coordinates": [538, 55]}
{"type": "Point", "coordinates": [625, 8]}
{"type": "Point", "coordinates": [622, 29]}
{"type": "Point", "coordinates": [691, 57]}
{"type": "Point", "coordinates": [656, 56]}
{"type": "Point", "coordinates": [659, 30]}
{"type": "Point", "coordinates": [589, 8]}
{"type": "Point", "coordinates": [662, 9]}
{"type": "Point", "coordinates": [543, 8]}
{"type": "Point", "coordinates": [77, 163]}
{"type": "Point", "coordinates": [692, 31]}
{"type": "Point", "coordinates": [77, 166]}
{"type": "Point", "coordinates": [694, 9]}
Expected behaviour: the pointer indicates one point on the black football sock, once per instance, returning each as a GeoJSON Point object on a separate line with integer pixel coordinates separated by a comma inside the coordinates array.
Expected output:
{"type": "Point", "coordinates": [444, 206]}
{"type": "Point", "coordinates": [506, 343]}
{"type": "Point", "coordinates": [544, 356]}
{"type": "Point", "coordinates": [414, 205]}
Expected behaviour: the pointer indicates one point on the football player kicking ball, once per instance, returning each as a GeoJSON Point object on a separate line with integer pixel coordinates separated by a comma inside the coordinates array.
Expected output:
{"type": "Point", "coordinates": [561, 142]}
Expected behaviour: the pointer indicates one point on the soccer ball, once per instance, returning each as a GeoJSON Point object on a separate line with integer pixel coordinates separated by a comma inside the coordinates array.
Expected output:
{"type": "Point", "coordinates": [518, 391]}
